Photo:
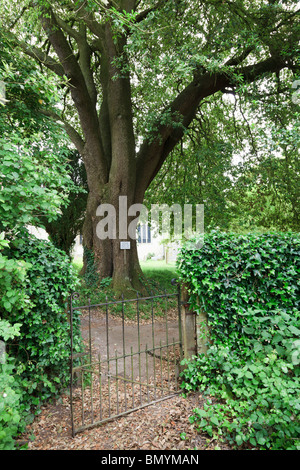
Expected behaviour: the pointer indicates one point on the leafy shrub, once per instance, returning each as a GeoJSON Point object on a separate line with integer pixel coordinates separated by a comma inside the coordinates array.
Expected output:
{"type": "Point", "coordinates": [258, 386]}
{"type": "Point", "coordinates": [11, 421]}
{"type": "Point", "coordinates": [12, 297]}
{"type": "Point", "coordinates": [42, 351]}
{"type": "Point", "coordinates": [91, 277]}
{"type": "Point", "coordinates": [12, 281]}
{"type": "Point", "coordinates": [233, 272]}
{"type": "Point", "coordinates": [249, 287]}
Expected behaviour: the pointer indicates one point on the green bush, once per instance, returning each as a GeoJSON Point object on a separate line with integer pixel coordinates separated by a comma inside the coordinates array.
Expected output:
{"type": "Point", "coordinates": [12, 281]}
{"type": "Point", "coordinates": [10, 393]}
{"type": "Point", "coordinates": [12, 298]}
{"type": "Point", "coordinates": [249, 287]}
{"type": "Point", "coordinates": [11, 420]}
{"type": "Point", "coordinates": [44, 344]}
{"type": "Point", "coordinates": [41, 352]}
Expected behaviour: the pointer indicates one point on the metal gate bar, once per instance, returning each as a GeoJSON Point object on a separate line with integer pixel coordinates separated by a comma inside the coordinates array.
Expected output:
{"type": "Point", "coordinates": [110, 387]}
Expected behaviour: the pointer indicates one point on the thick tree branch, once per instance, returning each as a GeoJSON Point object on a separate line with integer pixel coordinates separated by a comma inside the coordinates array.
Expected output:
{"type": "Point", "coordinates": [38, 55]}
{"type": "Point", "coordinates": [154, 152]}
{"type": "Point", "coordinates": [71, 131]}
{"type": "Point", "coordinates": [141, 16]}
{"type": "Point", "coordinates": [84, 102]}
{"type": "Point", "coordinates": [236, 60]}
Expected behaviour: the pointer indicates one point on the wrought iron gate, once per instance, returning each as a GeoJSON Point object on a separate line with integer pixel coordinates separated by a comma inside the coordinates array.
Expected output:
{"type": "Point", "coordinates": [112, 378]}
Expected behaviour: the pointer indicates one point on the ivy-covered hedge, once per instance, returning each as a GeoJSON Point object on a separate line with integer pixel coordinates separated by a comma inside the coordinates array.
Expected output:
{"type": "Point", "coordinates": [232, 273]}
{"type": "Point", "coordinates": [11, 421]}
{"type": "Point", "coordinates": [35, 281]}
{"type": "Point", "coordinates": [249, 287]}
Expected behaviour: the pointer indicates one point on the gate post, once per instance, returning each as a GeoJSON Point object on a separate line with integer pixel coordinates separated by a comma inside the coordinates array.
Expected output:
{"type": "Point", "coordinates": [195, 328]}
{"type": "Point", "coordinates": [202, 332]}
{"type": "Point", "coordinates": [189, 326]}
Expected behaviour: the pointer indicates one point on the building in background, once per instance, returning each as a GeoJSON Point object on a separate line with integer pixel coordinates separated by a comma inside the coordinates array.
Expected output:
{"type": "Point", "coordinates": [150, 245]}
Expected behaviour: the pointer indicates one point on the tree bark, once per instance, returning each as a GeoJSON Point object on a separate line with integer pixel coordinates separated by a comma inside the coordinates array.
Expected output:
{"type": "Point", "coordinates": [119, 149]}
{"type": "Point", "coordinates": [109, 259]}
{"type": "Point", "coordinates": [106, 139]}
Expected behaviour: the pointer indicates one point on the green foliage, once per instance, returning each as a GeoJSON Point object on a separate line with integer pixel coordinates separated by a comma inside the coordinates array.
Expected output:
{"type": "Point", "coordinates": [249, 287]}
{"type": "Point", "coordinates": [91, 277]}
{"type": "Point", "coordinates": [27, 89]}
{"type": "Point", "coordinates": [11, 421]}
{"type": "Point", "coordinates": [44, 344]}
{"type": "Point", "coordinates": [35, 277]}
{"type": "Point", "coordinates": [8, 331]}
{"type": "Point", "coordinates": [68, 224]}
{"type": "Point", "coordinates": [242, 163]}
{"type": "Point", "coordinates": [231, 274]}
{"type": "Point", "coordinates": [157, 281]}
{"type": "Point", "coordinates": [10, 393]}
{"type": "Point", "coordinates": [39, 352]}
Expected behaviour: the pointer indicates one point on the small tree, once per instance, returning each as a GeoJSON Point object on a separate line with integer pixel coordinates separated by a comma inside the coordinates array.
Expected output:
{"type": "Point", "coordinates": [65, 228]}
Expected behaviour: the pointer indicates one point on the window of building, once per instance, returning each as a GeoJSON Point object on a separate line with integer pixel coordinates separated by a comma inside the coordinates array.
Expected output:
{"type": "Point", "coordinates": [144, 234]}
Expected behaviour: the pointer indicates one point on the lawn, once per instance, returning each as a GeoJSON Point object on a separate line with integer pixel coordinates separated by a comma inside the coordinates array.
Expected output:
{"type": "Point", "coordinates": [158, 277]}
{"type": "Point", "coordinates": [158, 271]}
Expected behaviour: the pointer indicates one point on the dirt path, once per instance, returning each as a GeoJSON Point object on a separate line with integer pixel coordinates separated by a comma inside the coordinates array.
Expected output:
{"type": "Point", "coordinates": [120, 341]}
{"type": "Point", "coordinates": [162, 426]}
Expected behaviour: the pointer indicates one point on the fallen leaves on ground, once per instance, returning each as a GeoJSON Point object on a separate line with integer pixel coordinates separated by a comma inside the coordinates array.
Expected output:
{"type": "Point", "coordinates": [162, 426]}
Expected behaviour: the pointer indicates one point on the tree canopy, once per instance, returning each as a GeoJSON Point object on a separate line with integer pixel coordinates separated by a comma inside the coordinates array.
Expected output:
{"type": "Point", "coordinates": [134, 75]}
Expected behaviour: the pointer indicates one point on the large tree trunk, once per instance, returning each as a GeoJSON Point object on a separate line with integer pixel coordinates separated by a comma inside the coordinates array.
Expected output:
{"type": "Point", "coordinates": [118, 145]}
{"type": "Point", "coordinates": [109, 260]}
{"type": "Point", "coordinates": [106, 137]}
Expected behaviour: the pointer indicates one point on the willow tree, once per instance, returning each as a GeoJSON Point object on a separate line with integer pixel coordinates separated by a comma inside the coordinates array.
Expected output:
{"type": "Point", "coordinates": [133, 74]}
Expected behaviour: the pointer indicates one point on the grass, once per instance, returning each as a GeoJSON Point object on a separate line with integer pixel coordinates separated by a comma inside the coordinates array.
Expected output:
{"type": "Point", "coordinates": [77, 264]}
{"type": "Point", "coordinates": [161, 265]}
{"type": "Point", "coordinates": [159, 274]}
{"type": "Point", "coordinates": [158, 277]}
